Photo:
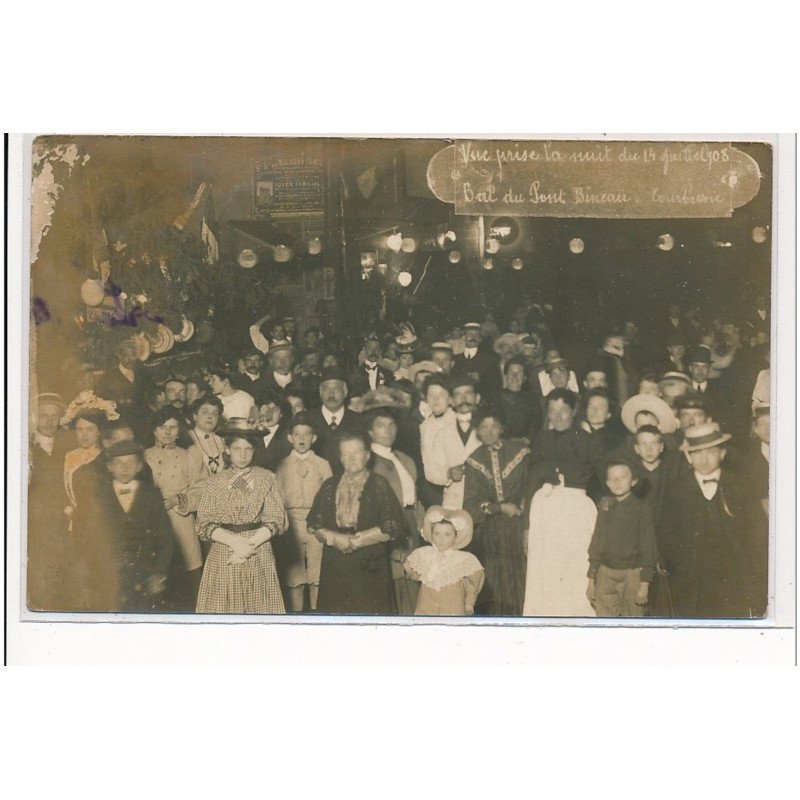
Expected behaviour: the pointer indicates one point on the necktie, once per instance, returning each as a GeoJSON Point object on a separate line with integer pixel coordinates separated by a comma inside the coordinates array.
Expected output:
{"type": "Point", "coordinates": [710, 480]}
{"type": "Point", "coordinates": [333, 424]}
{"type": "Point", "coordinates": [123, 491]}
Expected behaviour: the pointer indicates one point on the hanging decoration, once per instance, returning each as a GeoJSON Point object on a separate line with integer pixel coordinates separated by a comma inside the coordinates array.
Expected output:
{"type": "Point", "coordinates": [576, 245]}
{"type": "Point", "coordinates": [247, 259]}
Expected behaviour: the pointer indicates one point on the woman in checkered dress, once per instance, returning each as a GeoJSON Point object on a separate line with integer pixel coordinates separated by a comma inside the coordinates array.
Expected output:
{"type": "Point", "coordinates": [240, 511]}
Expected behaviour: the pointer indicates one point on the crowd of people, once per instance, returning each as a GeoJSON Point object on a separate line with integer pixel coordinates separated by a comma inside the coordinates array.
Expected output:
{"type": "Point", "coordinates": [459, 472]}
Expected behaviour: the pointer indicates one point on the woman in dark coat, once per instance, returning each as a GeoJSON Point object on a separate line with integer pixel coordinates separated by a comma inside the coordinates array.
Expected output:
{"type": "Point", "coordinates": [496, 496]}
{"type": "Point", "coordinates": [355, 515]}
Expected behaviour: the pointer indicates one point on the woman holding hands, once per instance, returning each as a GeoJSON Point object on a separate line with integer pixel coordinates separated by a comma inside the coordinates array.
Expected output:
{"type": "Point", "coordinates": [356, 515]}
{"type": "Point", "coordinates": [240, 511]}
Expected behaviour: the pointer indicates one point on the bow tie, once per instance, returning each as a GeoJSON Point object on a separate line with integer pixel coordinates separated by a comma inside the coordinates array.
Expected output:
{"type": "Point", "coordinates": [371, 367]}
{"type": "Point", "coordinates": [123, 491]}
{"type": "Point", "coordinates": [710, 480]}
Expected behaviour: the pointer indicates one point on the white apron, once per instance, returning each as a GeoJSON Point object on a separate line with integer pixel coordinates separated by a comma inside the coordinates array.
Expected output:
{"type": "Point", "coordinates": [561, 525]}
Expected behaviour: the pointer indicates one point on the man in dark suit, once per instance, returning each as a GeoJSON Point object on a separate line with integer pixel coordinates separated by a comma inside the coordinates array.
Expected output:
{"type": "Point", "coordinates": [371, 373]}
{"type": "Point", "coordinates": [279, 375]}
{"type": "Point", "coordinates": [47, 531]}
{"type": "Point", "coordinates": [273, 416]}
{"type": "Point", "coordinates": [126, 540]}
{"type": "Point", "coordinates": [87, 479]}
{"type": "Point", "coordinates": [254, 381]}
{"type": "Point", "coordinates": [125, 383]}
{"type": "Point", "coordinates": [332, 415]}
{"type": "Point", "coordinates": [478, 362]}
{"type": "Point", "coordinates": [706, 536]}
{"type": "Point", "coordinates": [716, 398]}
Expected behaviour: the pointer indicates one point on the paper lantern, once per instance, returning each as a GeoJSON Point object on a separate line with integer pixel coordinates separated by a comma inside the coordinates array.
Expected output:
{"type": "Point", "coordinates": [282, 253]}
{"type": "Point", "coordinates": [576, 245]}
{"type": "Point", "coordinates": [404, 279]}
{"type": "Point", "coordinates": [395, 242]}
{"type": "Point", "coordinates": [488, 263]}
{"type": "Point", "coordinates": [247, 259]}
{"type": "Point", "coordinates": [492, 245]}
{"type": "Point", "coordinates": [454, 256]}
{"type": "Point", "coordinates": [314, 246]}
{"type": "Point", "coordinates": [760, 234]}
{"type": "Point", "coordinates": [517, 263]}
{"type": "Point", "coordinates": [666, 242]}
{"type": "Point", "coordinates": [92, 292]}
{"type": "Point", "coordinates": [408, 245]}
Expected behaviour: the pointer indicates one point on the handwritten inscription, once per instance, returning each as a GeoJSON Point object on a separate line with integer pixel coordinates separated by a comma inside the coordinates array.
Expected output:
{"type": "Point", "coordinates": [594, 179]}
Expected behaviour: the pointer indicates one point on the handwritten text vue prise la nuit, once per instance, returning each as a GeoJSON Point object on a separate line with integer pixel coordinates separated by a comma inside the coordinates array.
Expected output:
{"type": "Point", "coordinates": [665, 155]}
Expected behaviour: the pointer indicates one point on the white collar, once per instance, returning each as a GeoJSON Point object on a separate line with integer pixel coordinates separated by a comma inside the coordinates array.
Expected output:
{"type": "Point", "coordinates": [383, 450]}
{"type": "Point", "coordinates": [470, 351]}
{"type": "Point", "coordinates": [715, 475]}
{"type": "Point", "coordinates": [282, 380]}
{"type": "Point", "coordinates": [302, 456]}
{"type": "Point", "coordinates": [125, 487]}
{"type": "Point", "coordinates": [329, 416]}
{"type": "Point", "coordinates": [45, 442]}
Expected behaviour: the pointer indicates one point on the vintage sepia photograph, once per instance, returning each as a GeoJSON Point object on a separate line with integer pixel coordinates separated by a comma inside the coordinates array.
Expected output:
{"type": "Point", "coordinates": [400, 377]}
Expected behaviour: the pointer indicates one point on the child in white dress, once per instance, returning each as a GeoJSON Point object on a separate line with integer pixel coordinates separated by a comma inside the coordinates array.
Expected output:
{"type": "Point", "coordinates": [451, 579]}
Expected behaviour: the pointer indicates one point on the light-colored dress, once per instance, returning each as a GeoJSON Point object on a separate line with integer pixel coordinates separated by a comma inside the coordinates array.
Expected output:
{"type": "Point", "coordinates": [240, 501]}
{"type": "Point", "coordinates": [299, 554]}
{"type": "Point", "coordinates": [451, 581]}
{"type": "Point", "coordinates": [170, 466]}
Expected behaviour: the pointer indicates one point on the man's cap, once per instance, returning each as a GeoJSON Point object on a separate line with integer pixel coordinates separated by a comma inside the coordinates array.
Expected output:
{"type": "Point", "coordinates": [127, 447]}
{"type": "Point", "coordinates": [333, 374]}
{"type": "Point", "coordinates": [700, 355]}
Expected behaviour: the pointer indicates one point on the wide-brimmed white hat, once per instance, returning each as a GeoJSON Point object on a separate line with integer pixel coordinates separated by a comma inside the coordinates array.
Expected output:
{"type": "Point", "coordinates": [461, 521]}
{"type": "Point", "coordinates": [655, 405]}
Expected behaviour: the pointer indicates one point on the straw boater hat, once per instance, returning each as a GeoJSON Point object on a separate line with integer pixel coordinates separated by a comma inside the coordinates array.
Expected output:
{"type": "Point", "coordinates": [50, 399]}
{"type": "Point", "coordinates": [674, 378]}
{"type": "Point", "coordinates": [163, 340]}
{"type": "Point", "coordinates": [461, 521]}
{"type": "Point", "coordinates": [422, 366]}
{"type": "Point", "coordinates": [655, 405]}
{"type": "Point", "coordinates": [385, 397]}
{"type": "Point", "coordinates": [445, 346]}
{"type": "Point", "coordinates": [701, 437]}
{"type": "Point", "coordinates": [280, 348]}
